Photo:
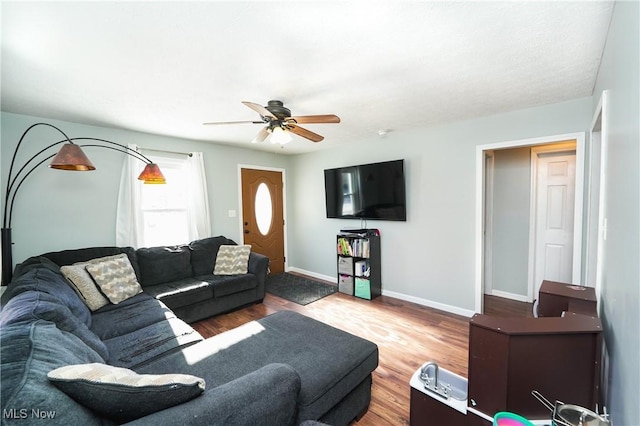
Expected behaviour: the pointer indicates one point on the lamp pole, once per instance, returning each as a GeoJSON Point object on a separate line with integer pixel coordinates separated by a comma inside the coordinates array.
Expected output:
{"type": "Point", "coordinates": [69, 157]}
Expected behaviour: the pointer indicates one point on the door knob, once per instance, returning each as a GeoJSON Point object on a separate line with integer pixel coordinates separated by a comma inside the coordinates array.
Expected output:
{"type": "Point", "coordinates": [246, 231]}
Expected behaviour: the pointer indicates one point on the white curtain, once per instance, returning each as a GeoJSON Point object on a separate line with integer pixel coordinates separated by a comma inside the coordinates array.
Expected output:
{"type": "Point", "coordinates": [128, 215]}
{"type": "Point", "coordinates": [198, 199]}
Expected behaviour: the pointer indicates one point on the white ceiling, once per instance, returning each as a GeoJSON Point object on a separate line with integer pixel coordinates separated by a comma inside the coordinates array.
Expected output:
{"type": "Point", "coordinates": [167, 67]}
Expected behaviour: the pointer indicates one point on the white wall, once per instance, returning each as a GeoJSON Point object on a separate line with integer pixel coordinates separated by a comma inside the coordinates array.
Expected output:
{"type": "Point", "coordinates": [620, 292]}
{"type": "Point", "coordinates": [430, 258]}
{"type": "Point", "coordinates": [56, 210]}
{"type": "Point", "coordinates": [511, 217]}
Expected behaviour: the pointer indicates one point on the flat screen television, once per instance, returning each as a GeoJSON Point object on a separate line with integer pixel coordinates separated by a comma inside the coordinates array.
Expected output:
{"type": "Point", "coordinates": [366, 191]}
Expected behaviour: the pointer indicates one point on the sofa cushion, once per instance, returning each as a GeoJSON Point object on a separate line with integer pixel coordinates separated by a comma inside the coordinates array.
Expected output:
{"type": "Point", "coordinates": [204, 252]}
{"type": "Point", "coordinates": [224, 285]}
{"type": "Point", "coordinates": [42, 275]}
{"type": "Point", "coordinates": [164, 264]}
{"type": "Point", "coordinates": [135, 313]}
{"type": "Point", "coordinates": [28, 353]}
{"type": "Point", "coordinates": [157, 340]}
{"type": "Point", "coordinates": [181, 293]}
{"type": "Point", "coordinates": [69, 257]}
{"type": "Point", "coordinates": [121, 394]}
{"type": "Point", "coordinates": [115, 277]}
{"type": "Point", "coordinates": [32, 306]}
{"type": "Point", "coordinates": [232, 260]}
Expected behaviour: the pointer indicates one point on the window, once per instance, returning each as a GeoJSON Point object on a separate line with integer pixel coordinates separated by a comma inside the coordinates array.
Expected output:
{"type": "Point", "coordinates": [165, 217]}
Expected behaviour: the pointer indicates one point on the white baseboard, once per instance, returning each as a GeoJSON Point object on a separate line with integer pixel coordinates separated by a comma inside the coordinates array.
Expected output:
{"type": "Point", "coordinates": [424, 302]}
{"type": "Point", "coordinates": [431, 304]}
{"type": "Point", "coordinates": [512, 296]}
{"type": "Point", "coordinates": [312, 274]}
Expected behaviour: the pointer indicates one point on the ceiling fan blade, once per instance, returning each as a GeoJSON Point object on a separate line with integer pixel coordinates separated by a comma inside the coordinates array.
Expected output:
{"type": "Point", "coordinates": [324, 118]}
{"type": "Point", "coordinates": [260, 137]}
{"type": "Point", "coordinates": [308, 134]}
{"type": "Point", "coordinates": [259, 109]}
{"type": "Point", "coordinates": [233, 122]}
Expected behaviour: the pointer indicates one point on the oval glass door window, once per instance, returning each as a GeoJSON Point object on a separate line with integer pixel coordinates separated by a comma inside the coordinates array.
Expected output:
{"type": "Point", "coordinates": [263, 206]}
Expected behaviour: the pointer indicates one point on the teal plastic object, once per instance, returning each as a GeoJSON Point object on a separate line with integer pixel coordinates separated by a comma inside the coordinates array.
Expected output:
{"type": "Point", "coordinates": [504, 418]}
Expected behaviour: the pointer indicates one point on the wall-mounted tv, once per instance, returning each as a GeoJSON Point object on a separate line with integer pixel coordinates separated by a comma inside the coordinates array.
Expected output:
{"type": "Point", "coordinates": [366, 191]}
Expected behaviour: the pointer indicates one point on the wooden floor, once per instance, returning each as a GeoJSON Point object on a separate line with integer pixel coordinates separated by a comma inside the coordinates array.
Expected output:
{"type": "Point", "coordinates": [407, 335]}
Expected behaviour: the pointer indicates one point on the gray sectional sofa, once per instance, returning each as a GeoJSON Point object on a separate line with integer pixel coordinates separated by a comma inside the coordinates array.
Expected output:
{"type": "Point", "coordinates": [283, 369]}
{"type": "Point", "coordinates": [182, 276]}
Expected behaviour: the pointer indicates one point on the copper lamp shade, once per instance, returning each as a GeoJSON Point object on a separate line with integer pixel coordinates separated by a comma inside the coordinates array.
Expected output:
{"type": "Point", "coordinates": [71, 157]}
{"type": "Point", "coordinates": [152, 175]}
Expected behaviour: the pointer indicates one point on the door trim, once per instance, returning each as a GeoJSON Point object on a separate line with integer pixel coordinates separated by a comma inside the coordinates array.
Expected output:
{"type": "Point", "coordinates": [480, 194]}
{"type": "Point", "coordinates": [596, 219]}
{"type": "Point", "coordinates": [533, 219]}
{"type": "Point", "coordinates": [488, 222]}
{"type": "Point", "coordinates": [284, 204]}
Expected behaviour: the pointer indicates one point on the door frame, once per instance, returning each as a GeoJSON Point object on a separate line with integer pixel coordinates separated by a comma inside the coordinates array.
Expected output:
{"type": "Point", "coordinates": [489, 175]}
{"type": "Point", "coordinates": [533, 217]}
{"type": "Point", "coordinates": [481, 150]}
{"type": "Point", "coordinates": [284, 204]}
{"type": "Point", "coordinates": [596, 216]}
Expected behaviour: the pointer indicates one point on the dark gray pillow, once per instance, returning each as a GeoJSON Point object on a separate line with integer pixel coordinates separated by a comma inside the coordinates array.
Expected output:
{"type": "Point", "coordinates": [163, 264]}
{"type": "Point", "coordinates": [121, 394]}
{"type": "Point", "coordinates": [204, 252]}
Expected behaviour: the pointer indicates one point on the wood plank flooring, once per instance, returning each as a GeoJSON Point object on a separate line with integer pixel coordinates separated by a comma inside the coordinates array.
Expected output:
{"type": "Point", "coordinates": [407, 335]}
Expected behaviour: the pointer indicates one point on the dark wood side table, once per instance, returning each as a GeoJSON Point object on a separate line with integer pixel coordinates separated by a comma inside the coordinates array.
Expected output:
{"type": "Point", "coordinates": [555, 298]}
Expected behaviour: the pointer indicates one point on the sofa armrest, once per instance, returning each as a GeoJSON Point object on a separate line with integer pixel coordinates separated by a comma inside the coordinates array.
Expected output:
{"type": "Point", "coordinates": [267, 396]}
{"type": "Point", "coordinates": [259, 266]}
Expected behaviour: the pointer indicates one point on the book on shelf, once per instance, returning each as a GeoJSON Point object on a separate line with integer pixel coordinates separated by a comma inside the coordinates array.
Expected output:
{"type": "Point", "coordinates": [344, 247]}
{"type": "Point", "coordinates": [355, 247]}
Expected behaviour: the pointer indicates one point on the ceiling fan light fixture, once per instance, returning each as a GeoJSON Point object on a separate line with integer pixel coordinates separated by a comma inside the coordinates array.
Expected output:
{"type": "Point", "coordinates": [279, 136]}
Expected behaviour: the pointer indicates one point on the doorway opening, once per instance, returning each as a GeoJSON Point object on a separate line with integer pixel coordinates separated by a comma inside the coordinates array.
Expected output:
{"type": "Point", "coordinates": [519, 208]}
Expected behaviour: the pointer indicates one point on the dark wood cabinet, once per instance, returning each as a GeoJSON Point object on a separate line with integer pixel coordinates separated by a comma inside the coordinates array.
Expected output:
{"type": "Point", "coordinates": [476, 420]}
{"type": "Point", "coordinates": [510, 357]}
{"type": "Point", "coordinates": [555, 298]}
{"type": "Point", "coordinates": [428, 411]}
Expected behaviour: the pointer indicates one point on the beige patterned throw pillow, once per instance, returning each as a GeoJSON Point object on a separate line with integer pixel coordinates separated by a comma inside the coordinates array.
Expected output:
{"type": "Point", "coordinates": [232, 260]}
{"type": "Point", "coordinates": [116, 278]}
{"type": "Point", "coordinates": [84, 285]}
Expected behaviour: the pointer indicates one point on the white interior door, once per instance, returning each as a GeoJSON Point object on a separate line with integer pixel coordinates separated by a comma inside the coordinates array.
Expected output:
{"type": "Point", "coordinates": [555, 198]}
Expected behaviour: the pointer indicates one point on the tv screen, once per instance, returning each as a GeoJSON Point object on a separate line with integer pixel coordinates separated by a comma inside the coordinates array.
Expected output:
{"type": "Point", "coordinates": [367, 191]}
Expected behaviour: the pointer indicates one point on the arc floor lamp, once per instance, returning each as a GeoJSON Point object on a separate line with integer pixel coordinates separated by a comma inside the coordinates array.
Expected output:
{"type": "Point", "coordinates": [69, 157]}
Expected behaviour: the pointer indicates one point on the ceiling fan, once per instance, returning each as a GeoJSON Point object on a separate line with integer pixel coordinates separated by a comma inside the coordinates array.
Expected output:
{"type": "Point", "coordinates": [278, 121]}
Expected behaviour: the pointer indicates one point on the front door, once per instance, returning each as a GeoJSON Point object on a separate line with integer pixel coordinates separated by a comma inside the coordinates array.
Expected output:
{"type": "Point", "coordinates": [262, 215]}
